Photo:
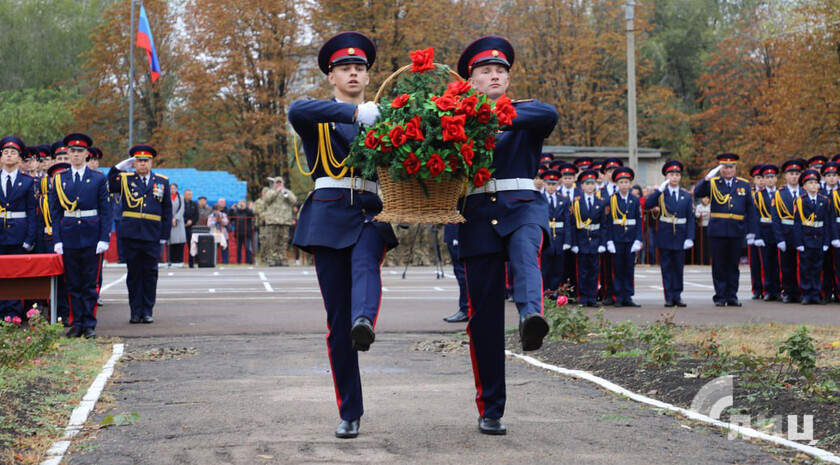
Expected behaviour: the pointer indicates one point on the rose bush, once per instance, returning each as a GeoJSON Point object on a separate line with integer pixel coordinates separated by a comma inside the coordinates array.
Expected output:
{"type": "Point", "coordinates": [20, 343]}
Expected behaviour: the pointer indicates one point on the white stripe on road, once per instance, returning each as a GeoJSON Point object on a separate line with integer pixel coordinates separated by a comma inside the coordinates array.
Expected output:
{"type": "Point", "coordinates": [267, 286]}
{"type": "Point", "coordinates": [262, 276]}
{"type": "Point", "coordinates": [658, 288]}
{"type": "Point", "coordinates": [438, 288]}
{"type": "Point", "coordinates": [699, 285]}
{"type": "Point", "coordinates": [215, 273]}
{"type": "Point", "coordinates": [110, 285]}
{"type": "Point", "coordinates": [211, 290]}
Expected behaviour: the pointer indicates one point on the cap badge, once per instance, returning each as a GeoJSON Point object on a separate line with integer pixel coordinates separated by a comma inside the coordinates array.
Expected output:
{"type": "Point", "coordinates": [351, 51]}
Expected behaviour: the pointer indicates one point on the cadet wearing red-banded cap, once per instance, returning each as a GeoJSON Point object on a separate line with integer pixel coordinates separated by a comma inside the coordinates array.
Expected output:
{"type": "Point", "coordinates": [753, 250]}
{"type": "Point", "coordinates": [553, 253]}
{"type": "Point", "coordinates": [607, 188]}
{"type": "Point", "coordinates": [624, 235]}
{"type": "Point", "coordinates": [814, 232]}
{"type": "Point", "coordinates": [583, 163]}
{"type": "Point", "coordinates": [783, 220]}
{"type": "Point", "coordinates": [765, 239]}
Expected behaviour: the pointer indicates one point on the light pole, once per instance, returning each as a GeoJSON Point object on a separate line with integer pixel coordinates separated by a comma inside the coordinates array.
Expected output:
{"type": "Point", "coordinates": [131, 35]}
{"type": "Point", "coordinates": [631, 86]}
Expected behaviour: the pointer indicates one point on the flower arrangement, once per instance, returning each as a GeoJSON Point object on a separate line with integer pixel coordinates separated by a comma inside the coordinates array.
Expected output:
{"type": "Point", "coordinates": [432, 129]}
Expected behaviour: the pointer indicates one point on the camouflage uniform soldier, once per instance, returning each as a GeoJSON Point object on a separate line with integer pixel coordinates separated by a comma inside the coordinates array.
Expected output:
{"type": "Point", "coordinates": [259, 213]}
{"type": "Point", "coordinates": [278, 218]}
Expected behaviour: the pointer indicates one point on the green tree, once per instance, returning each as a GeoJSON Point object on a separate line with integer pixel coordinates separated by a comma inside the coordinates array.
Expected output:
{"type": "Point", "coordinates": [38, 116]}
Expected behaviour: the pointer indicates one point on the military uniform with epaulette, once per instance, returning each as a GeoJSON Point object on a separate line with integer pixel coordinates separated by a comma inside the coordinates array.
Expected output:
{"type": "Point", "coordinates": [554, 251]}
{"type": "Point", "coordinates": [783, 231]}
{"type": "Point", "coordinates": [765, 238]}
{"type": "Point", "coordinates": [814, 232]}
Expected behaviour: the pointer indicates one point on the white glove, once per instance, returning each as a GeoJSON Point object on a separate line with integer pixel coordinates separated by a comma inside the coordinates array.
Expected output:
{"type": "Point", "coordinates": [575, 249]}
{"type": "Point", "coordinates": [601, 249]}
{"type": "Point", "coordinates": [714, 171]}
{"type": "Point", "coordinates": [367, 113]}
{"type": "Point", "coordinates": [566, 247]}
{"type": "Point", "coordinates": [825, 248]}
{"type": "Point", "coordinates": [688, 244]}
{"type": "Point", "coordinates": [750, 237]}
{"type": "Point", "coordinates": [836, 243]}
{"type": "Point", "coordinates": [163, 242]}
{"type": "Point", "coordinates": [664, 185]}
{"type": "Point", "coordinates": [801, 248]}
{"type": "Point", "coordinates": [125, 164]}
{"type": "Point", "coordinates": [637, 246]}
{"type": "Point", "coordinates": [610, 246]}
{"type": "Point", "coordinates": [101, 247]}
{"type": "Point", "coordinates": [28, 247]}
{"type": "Point", "coordinates": [454, 242]}
{"type": "Point", "coordinates": [782, 246]}
{"type": "Point", "coordinates": [759, 243]}
{"type": "Point", "coordinates": [750, 241]}
{"type": "Point", "coordinates": [59, 248]}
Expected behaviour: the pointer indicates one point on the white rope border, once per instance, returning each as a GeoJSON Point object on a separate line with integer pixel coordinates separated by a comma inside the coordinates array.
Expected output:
{"type": "Point", "coordinates": [80, 414]}
{"type": "Point", "coordinates": [821, 454]}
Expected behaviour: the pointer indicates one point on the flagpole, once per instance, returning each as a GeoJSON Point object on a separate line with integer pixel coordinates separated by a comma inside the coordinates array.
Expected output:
{"type": "Point", "coordinates": [132, 35]}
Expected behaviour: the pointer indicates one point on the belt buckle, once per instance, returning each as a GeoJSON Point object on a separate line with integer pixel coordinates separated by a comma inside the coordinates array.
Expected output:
{"type": "Point", "coordinates": [361, 187]}
{"type": "Point", "coordinates": [487, 187]}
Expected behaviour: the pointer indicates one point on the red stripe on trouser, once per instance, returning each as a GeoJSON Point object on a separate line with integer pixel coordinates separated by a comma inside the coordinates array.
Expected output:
{"type": "Point", "coordinates": [539, 265]}
{"type": "Point", "coordinates": [479, 401]}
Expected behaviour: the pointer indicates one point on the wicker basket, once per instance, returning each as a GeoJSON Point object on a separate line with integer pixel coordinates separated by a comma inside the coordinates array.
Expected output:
{"type": "Point", "coordinates": [407, 201]}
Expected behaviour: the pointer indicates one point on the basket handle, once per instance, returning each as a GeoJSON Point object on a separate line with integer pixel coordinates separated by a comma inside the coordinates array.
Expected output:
{"type": "Point", "coordinates": [405, 68]}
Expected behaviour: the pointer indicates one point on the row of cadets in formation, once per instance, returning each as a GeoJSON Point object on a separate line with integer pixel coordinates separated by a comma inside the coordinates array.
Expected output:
{"type": "Point", "coordinates": [791, 223]}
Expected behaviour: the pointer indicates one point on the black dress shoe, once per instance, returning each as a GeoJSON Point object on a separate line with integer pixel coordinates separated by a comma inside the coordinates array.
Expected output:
{"type": "Point", "coordinates": [457, 317]}
{"type": "Point", "coordinates": [75, 331]}
{"type": "Point", "coordinates": [492, 426]}
{"type": "Point", "coordinates": [532, 329]}
{"type": "Point", "coordinates": [806, 301]}
{"type": "Point", "coordinates": [361, 334]}
{"type": "Point", "coordinates": [772, 298]}
{"type": "Point", "coordinates": [347, 429]}
{"type": "Point", "coordinates": [147, 319]}
{"type": "Point", "coordinates": [134, 320]}
{"type": "Point", "coordinates": [680, 303]}
{"type": "Point", "coordinates": [819, 302]}
{"type": "Point", "coordinates": [89, 333]}
{"type": "Point", "coordinates": [628, 303]}
{"type": "Point", "coordinates": [720, 303]}
{"type": "Point", "coordinates": [608, 301]}
{"type": "Point", "coordinates": [791, 299]}
{"type": "Point", "coordinates": [733, 303]}
{"type": "Point", "coordinates": [756, 297]}
{"type": "Point", "coordinates": [590, 305]}
{"type": "Point", "coordinates": [668, 303]}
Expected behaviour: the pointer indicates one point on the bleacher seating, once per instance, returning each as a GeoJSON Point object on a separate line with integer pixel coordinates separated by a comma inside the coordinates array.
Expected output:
{"type": "Point", "coordinates": [211, 184]}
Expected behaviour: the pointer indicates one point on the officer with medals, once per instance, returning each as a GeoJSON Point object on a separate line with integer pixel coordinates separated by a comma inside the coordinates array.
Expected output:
{"type": "Point", "coordinates": [553, 252]}
{"type": "Point", "coordinates": [588, 229]}
{"type": "Point", "coordinates": [624, 235]}
{"type": "Point", "coordinates": [145, 226]}
{"type": "Point", "coordinates": [753, 251]}
{"type": "Point", "coordinates": [507, 219]}
{"type": "Point", "coordinates": [765, 238]}
{"type": "Point", "coordinates": [17, 211]}
{"type": "Point", "coordinates": [730, 222]}
{"type": "Point", "coordinates": [336, 221]}
{"type": "Point", "coordinates": [831, 177]}
{"type": "Point", "coordinates": [783, 220]}
{"type": "Point", "coordinates": [674, 232]}
{"type": "Point", "coordinates": [81, 226]}
{"type": "Point", "coordinates": [814, 231]}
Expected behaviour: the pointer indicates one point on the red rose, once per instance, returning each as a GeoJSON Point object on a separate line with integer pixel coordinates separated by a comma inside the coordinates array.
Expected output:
{"type": "Point", "coordinates": [481, 177]}
{"type": "Point", "coordinates": [397, 136]}
{"type": "Point", "coordinates": [458, 87]}
{"type": "Point", "coordinates": [412, 129]}
{"type": "Point", "coordinates": [385, 147]}
{"type": "Point", "coordinates": [468, 153]}
{"type": "Point", "coordinates": [371, 141]}
{"type": "Point", "coordinates": [452, 159]}
{"type": "Point", "coordinates": [467, 106]}
{"type": "Point", "coordinates": [504, 110]}
{"type": "Point", "coordinates": [485, 112]}
{"type": "Point", "coordinates": [490, 143]}
{"type": "Point", "coordinates": [400, 101]}
{"type": "Point", "coordinates": [445, 102]}
{"type": "Point", "coordinates": [453, 128]}
{"type": "Point", "coordinates": [411, 164]}
{"type": "Point", "coordinates": [422, 60]}
{"type": "Point", "coordinates": [562, 300]}
{"type": "Point", "coordinates": [435, 164]}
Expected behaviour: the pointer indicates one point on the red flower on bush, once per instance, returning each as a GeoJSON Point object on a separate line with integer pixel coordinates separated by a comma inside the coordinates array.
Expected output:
{"type": "Point", "coordinates": [481, 177]}
{"type": "Point", "coordinates": [452, 159]}
{"type": "Point", "coordinates": [467, 106]}
{"type": "Point", "coordinates": [397, 136]}
{"type": "Point", "coordinates": [435, 164]}
{"type": "Point", "coordinates": [422, 60]}
{"type": "Point", "coordinates": [445, 102]}
{"type": "Point", "coordinates": [411, 164]}
{"type": "Point", "coordinates": [412, 129]}
{"type": "Point", "coordinates": [468, 153]}
{"type": "Point", "coordinates": [505, 110]}
{"type": "Point", "coordinates": [400, 101]}
{"type": "Point", "coordinates": [458, 87]}
{"type": "Point", "coordinates": [453, 128]}
{"type": "Point", "coordinates": [485, 113]}
{"type": "Point", "coordinates": [490, 143]}
{"type": "Point", "coordinates": [371, 141]}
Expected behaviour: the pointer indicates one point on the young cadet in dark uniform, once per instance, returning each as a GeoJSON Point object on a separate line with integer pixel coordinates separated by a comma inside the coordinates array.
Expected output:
{"type": "Point", "coordinates": [624, 235]}
{"type": "Point", "coordinates": [753, 251]}
{"type": "Point", "coordinates": [336, 223]}
{"type": "Point", "coordinates": [583, 163]}
{"type": "Point", "coordinates": [765, 238]}
{"type": "Point", "coordinates": [145, 226]}
{"type": "Point", "coordinates": [17, 211]}
{"type": "Point", "coordinates": [830, 175]}
{"type": "Point", "coordinates": [568, 174]}
{"type": "Point", "coordinates": [730, 223]}
{"type": "Point", "coordinates": [674, 232]}
{"type": "Point", "coordinates": [559, 234]}
{"type": "Point", "coordinates": [93, 160]}
{"type": "Point", "coordinates": [814, 231]}
{"type": "Point", "coordinates": [589, 220]}
{"type": "Point", "coordinates": [606, 291]}
{"type": "Point", "coordinates": [783, 203]}
{"type": "Point", "coordinates": [81, 222]}
{"type": "Point", "coordinates": [507, 219]}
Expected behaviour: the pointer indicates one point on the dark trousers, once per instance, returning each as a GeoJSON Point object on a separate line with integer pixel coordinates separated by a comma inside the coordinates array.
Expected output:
{"type": "Point", "coordinates": [672, 264]}
{"type": "Point", "coordinates": [829, 281]}
{"type": "Point", "coordinates": [12, 308]}
{"type": "Point", "coordinates": [351, 287]}
{"type": "Point", "coordinates": [770, 261]}
{"type": "Point", "coordinates": [788, 264]}
{"type": "Point", "coordinates": [458, 270]}
{"type": "Point", "coordinates": [225, 253]}
{"type": "Point", "coordinates": [120, 246]}
{"type": "Point", "coordinates": [553, 270]}
{"type": "Point", "coordinates": [756, 270]}
{"type": "Point", "coordinates": [190, 258]}
{"type": "Point", "coordinates": [587, 277]}
{"type": "Point", "coordinates": [141, 258]}
{"type": "Point", "coordinates": [810, 269]}
{"type": "Point", "coordinates": [176, 253]}
{"type": "Point", "coordinates": [624, 265]}
{"type": "Point", "coordinates": [726, 254]}
{"type": "Point", "coordinates": [244, 243]}
{"type": "Point", "coordinates": [606, 277]}
{"type": "Point", "coordinates": [81, 267]}
{"type": "Point", "coordinates": [570, 269]}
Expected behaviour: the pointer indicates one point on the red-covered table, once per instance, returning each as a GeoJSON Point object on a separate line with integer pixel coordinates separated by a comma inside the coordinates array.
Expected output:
{"type": "Point", "coordinates": [31, 277]}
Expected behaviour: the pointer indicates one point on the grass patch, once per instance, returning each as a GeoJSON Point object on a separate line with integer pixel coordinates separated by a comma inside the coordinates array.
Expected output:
{"type": "Point", "coordinates": [38, 397]}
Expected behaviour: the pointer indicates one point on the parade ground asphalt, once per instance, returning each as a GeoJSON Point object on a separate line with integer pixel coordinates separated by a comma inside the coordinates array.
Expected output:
{"type": "Point", "coordinates": [235, 371]}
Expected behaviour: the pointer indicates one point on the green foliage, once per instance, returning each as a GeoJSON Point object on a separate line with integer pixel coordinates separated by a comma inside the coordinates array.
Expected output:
{"type": "Point", "coordinates": [19, 343]}
{"type": "Point", "coordinates": [567, 321]}
{"type": "Point", "coordinates": [38, 116]}
{"type": "Point", "coordinates": [801, 353]}
{"type": "Point", "coordinates": [120, 419]}
{"type": "Point", "coordinates": [716, 362]}
{"type": "Point", "coordinates": [659, 338]}
{"type": "Point", "coordinates": [617, 336]}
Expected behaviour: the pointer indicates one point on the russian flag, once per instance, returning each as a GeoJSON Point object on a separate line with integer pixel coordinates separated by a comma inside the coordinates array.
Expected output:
{"type": "Point", "coordinates": [147, 43]}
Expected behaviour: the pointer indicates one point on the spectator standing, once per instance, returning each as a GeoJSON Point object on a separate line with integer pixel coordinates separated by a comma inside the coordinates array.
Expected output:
{"type": "Point", "coordinates": [225, 228]}
{"type": "Point", "coordinates": [243, 227]}
{"type": "Point", "coordinates": [190, 219]}
{"type": "Point", "coordinates": [278, 218]}
{"type": "Point", "coordinates": [178, 235]}
{"type": "Point", "coordinates": [218, 222]}
{"type": "Point", "coordinates": [703, 212]}
{"type": "Point", "coordinates": [204, 211]}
